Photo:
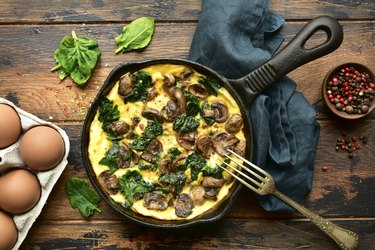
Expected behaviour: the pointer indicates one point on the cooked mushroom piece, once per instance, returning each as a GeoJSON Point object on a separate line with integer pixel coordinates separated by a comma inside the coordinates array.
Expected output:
{"type": "Point", "coordinates": [155, 201]}
{"type": "Point", "coordinates": [221, 111]}
{"type": "Point", "coordinates": [152, 94]}
{"type": "Point", "coordinates": [184, 205]}
{"type": "Point", "coordinates": [197, 194]}
{"type": "Point", "coordinates": [123, 160]}
{"type": "Point", "coordinates": [204, 146]}
{"type": "Point", "coordinates": [198, 90]}
{"type": "Point", "coordinates": [117, 128]}
{"type": "Point", "coordinates": [240, 148]}
{"type": "Point", "coordinates": [234, 124]}
{"type": "Point", "coordinates": [169, 112]}
{"type": "Point", "coordinates": [109, 181]}
{"type": "Point", "coordinates": [211, 193]}
{"type": "Point", "coordinates": [187, 140]}
{"type": "Point", "coordinates": [152, 114]}
{"type": "Point", "coordinates": [152, 151]}
{"type": "Point", "coordinates": [222, 140]}
{"type": "Point", "coordinates": [208, 112]}
{"type": "Point", "coordinates": [181, 100]}
{"type": "Point", "coordinates": [126, 85]}
{"type": "Point", "coordinates": [211, 182]}
{"type": "Point", "coordinates": [169, 80]}
{"type": "Point", "coordinates": [166, 165]}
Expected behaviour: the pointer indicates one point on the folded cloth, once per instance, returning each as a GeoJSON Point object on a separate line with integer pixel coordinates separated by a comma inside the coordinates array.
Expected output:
{"type": "Point", "coordinates": [234, 38]}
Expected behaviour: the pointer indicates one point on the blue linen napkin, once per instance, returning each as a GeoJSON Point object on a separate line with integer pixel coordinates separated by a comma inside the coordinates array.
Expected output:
{"type": "Point", "coordinates": [234, 38]}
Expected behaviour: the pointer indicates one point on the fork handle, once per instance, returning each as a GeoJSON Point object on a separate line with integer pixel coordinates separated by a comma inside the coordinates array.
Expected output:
{"type": "Point", "coordinates": [345, 238]}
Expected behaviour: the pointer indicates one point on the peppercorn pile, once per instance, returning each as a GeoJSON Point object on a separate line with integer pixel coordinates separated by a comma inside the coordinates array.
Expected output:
{"type": "Point", "coordinates": [349, 143]}
{"type": "Point", "coordinates": [351, 91]}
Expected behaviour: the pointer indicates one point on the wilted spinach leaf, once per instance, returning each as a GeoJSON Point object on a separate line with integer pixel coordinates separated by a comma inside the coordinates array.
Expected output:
{"type": "Point", "coordinates": [144, 166]}
{"type": "Point", "coordinates": [176, 179]}
{"type": "Point", "coordinates": [196, 163]}
{"type": "Point", "coordinates": [185, 124]}
{"type": "Point", "coordinates": [152, 130]}
{"type": "Point", "coordinates": [82, 197]}
{"type": "Point", "coordinates": [174, 153]}
{"type": "Point", "coordinates": [108, 112]}
{"type": "Point", "coordinates": [135, 35]}
{"type": "Point", "coordinates": [192, 104]}
{"type": "Point", "coordinates": [76, 57]}
{"type": "Point", "coordinates": [142, 81]}
{"type": "Point", "coordinates": [210, 83]}
{"type": "Point", "coordinates": [115, 157]}
{"type": "Point", "coordinates": [215, 172]}
{"type": "Point", "coordinates": [133, 186]}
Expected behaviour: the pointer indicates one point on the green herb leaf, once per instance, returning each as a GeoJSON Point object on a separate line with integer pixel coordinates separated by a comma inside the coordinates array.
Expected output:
{"type": "Point", "coordinates": [136, 35]}
{"type": "Point", "coordinates": [215, 172]}
{"type": "Point", "coordinates": [192, 104]}
{"type": "Point", "coordinates": [142, 81]}
{"type": "Point", "coordinates": [174, 153]}
{"type": "Point", "coordinates": [196, 163]}
{"type": "Point", "coordinates": [144, 166]}
{"type": "Point", "coordinates": [210, 83]}
{"type": "Point", "coordinates": [108, 112]}
{"type": "Point", "coordinates": [115, 157]}
{"type": "Point", "coordinates": [184, 123]}
{"type": "Point", "coordinates": [176, 179]}
{"type": "Point", "coordinates": [82, 197]}
{"type": "Point", "coordinates": [134, 186]}
{"type": "Point", "coordinates": [76, 57]}
{"type": "Point", "coordinates": [152, 130]}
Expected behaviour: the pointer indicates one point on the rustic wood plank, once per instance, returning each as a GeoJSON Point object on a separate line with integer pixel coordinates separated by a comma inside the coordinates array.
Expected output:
{"type": "Point", "coordinates": [249, 234]}
{"type": "Point", "coordinates": [341, 191]}
{"type": "Point", "coordinates": [168, 10]}
{"type": "Point", "coordinates": [28, 56]}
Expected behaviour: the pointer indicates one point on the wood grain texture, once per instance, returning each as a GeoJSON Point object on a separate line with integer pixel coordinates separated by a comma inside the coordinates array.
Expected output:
{"type": "Point", "coordinates": [25, 76]}
{"type": "Point", "coordinates": [18, 11]}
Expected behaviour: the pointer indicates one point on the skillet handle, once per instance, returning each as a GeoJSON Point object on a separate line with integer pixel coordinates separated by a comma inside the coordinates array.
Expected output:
{"type": "Point", "coordinates": [294, 54]}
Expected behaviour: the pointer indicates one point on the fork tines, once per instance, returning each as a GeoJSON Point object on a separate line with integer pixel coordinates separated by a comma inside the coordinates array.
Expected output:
{"type": "Point", "coordinates": [256, 176]}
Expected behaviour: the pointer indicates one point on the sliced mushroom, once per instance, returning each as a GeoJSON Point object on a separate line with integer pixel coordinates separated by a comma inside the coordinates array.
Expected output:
{"type": "Point", "coordinates": [169, 80]}
{"type": "Point", "coordinates": [152, 93]}
{"type": "Point", "coordinates": [208, 112]}
{"type": "Point", "coordinates": [221, 111]}
{"type": "Point", "coordinates": [152, 114]}
{"type": "Point", "coordinates": [181, 100]}
{"type": "Point", "coordinates": [170, 111]}
{"type": "Point", "coordinates": [234, 124]}
{"type": "Point", "coordinates": [211, 193]}
{"type": "Point", "coordinates": [166, 165]}
{"type": "Point", "coordinates": [187, 140]}
{"type": "Point", "coordinates": [240, 148]}
{"type": "Point", "coordinates": [197, 194]}
{"type": "Point", "coordinates": [109, 181]}
{"type": "Point", "coordinates": [221, 141]}
{"type": "Point", "coordinates": [204, 146]}
{"type": "Point", "coordinates": [123, 161]}
{"type": "Point", "coordinates": [155, 201]}
{"type": "Point", "coordinates": [179, 161]}
{"type": "Point", "coordinates": [211, 182]}
{"type": "Point", "coordinates": [198, 90]}
{"type": "Point", "coordinates": [184, 205]}
{"type": "Point", "coordinates": [126, 85]}
{"type": "Point", "coordinates": [152, 151]}
{"type": "Point", "coordinates": [118, 128]}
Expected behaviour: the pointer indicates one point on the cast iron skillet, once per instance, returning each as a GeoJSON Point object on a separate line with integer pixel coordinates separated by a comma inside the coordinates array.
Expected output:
{"type": "Point", "coordinates": [244, 91]}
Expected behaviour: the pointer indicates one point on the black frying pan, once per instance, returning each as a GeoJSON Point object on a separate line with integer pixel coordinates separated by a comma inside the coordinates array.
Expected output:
{"type": "Point", "coordinates": [244, 90]}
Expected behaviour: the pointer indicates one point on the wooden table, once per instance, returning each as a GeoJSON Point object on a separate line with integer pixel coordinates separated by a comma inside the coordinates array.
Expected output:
{"type": "Point", "coordinates": [29, 34]}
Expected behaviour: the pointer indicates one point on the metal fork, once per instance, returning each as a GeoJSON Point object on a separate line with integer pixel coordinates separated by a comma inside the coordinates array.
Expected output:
{"type": "Point", "coordinates": [262, 183]}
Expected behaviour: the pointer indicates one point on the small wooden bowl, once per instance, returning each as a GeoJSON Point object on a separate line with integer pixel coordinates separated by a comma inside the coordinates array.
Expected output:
{"type": "Point", "coordinates": [334, 71]}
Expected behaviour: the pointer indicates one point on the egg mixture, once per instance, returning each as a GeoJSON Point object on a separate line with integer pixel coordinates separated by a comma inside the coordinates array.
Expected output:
{"type": "Point", "coordinates": [159, 154]}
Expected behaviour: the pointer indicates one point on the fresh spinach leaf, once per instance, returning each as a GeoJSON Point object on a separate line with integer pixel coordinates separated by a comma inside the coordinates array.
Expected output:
{"type": "Point", "coordinates": [152, 130]}
{"type": "Point", "coordinates": [174, 153]}
{"type": "Point", "coordinates": [108, 112]}
{"type": "Point", "coordinates": [76, 57]}
{"type": "Point", "coordinates": [210, 83]}
{"type": "Point", "coordinates": [176, 179]}
{"type": "Point", "coordinates": [82, 197]}
{"type": "Point", "coordinates": [142, 81]}
{"type": "Point", "coordinates": [115, 157]}
{"type": "Point", "coordinates": [133, 186]}
{"type": "Point", "coordinates": [184, 123]}
{"type": "Point", "coordinates": [196, 163]}
{"type": "Point", "coordinates": [135, 35]}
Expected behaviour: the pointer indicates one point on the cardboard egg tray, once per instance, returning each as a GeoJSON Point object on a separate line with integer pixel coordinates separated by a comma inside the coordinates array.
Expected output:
{"type": "Point", "coordinates": [10, 158]}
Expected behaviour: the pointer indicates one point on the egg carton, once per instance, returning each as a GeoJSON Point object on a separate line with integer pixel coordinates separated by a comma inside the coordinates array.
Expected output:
{"type": "Point", "coordinates": [10, 158]}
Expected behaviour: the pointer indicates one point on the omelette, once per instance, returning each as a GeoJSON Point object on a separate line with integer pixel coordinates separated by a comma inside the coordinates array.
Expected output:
{"type": "Point", "coordinates": [159, 138]}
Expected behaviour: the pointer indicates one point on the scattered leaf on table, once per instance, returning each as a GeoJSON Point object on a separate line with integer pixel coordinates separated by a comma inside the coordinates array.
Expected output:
{"type": "Point", "coordinates": [136, 35]}
{"type": "Point", "coordinates": [76, 57]}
